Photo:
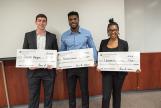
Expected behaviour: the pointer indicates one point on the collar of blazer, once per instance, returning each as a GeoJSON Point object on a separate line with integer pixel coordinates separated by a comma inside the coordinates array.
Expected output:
{"type": "Point", "coordinates": [120, 44]}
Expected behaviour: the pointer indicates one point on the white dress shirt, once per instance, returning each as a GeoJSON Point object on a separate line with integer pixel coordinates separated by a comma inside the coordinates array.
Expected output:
{"type": "Point", "coordinates": [41, 41]}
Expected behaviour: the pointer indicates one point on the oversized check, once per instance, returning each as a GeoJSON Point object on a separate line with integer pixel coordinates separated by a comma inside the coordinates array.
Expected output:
{"type": "Point", "coordinates": [119, 61]}
{"type": "Point", "coordinates": [75, 58]}
{"type": "Point", "coordinates": [36, 58]}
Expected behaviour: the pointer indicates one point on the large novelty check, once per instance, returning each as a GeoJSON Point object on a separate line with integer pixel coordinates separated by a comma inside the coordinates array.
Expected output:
{"type": "Point", "coordinates": [119, 61]}
{"type": "Point", "coordinates": [75, 58]}
{"type": "Point", "coordinates": [36, 58]}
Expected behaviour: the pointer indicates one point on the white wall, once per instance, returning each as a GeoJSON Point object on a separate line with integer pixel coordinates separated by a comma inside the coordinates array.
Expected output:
{"type": "Point", "coordinates": [18, 16]}
{"type": "Point", "coordinates": [143, 25]}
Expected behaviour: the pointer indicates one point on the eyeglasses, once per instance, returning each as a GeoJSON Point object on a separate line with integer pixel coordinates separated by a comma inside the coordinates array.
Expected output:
{"type": "Point", "coordinates": [111, 30]}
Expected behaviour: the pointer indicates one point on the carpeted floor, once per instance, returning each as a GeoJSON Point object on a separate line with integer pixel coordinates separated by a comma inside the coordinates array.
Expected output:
{"type": "Point", "coordinates": [134, 99]}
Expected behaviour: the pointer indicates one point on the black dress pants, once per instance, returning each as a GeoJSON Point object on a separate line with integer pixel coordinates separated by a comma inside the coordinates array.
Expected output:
{"type": "Point", "coordinates": [35, 78]}
{"type": "Point", "coordinates": [112, 84]}
{"type": "Point", "coordinates": [82, 75]}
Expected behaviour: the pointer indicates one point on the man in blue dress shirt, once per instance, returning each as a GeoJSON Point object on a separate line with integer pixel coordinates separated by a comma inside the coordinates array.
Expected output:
{"type": "Point", "coordinates": [77, 38]}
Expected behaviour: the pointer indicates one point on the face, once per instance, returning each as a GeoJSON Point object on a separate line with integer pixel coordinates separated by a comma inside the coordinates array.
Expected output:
{"type": "Point", "coordinates": [73, 21]}
{"type": "Point", "coordinates": [41, 23]}
{"type": "Point", "coordinates": [113, 31]}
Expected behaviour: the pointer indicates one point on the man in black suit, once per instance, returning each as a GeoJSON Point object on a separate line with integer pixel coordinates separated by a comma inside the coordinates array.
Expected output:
{"type": "Point", "coordinates": [40, 39]}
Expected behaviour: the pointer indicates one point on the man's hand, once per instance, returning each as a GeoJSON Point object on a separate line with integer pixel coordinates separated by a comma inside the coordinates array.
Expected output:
{"type": "Point", "coordinates": [98, 70]}
{"type": "Point", "coordinates": [33, 68]}
{"type": "Point", "coordinates": [49, 67]}
{"type": "Point", "coordinates": [92, 66]}
{"type": "Point", "coordinates": [59, 69]}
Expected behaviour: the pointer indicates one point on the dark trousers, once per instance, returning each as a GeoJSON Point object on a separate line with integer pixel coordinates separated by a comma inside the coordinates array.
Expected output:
{"type": "Point", "coordinates": [112, 84]}
{"type": "Point", "coordinates": [35, 78]}
{"type": "Point", "coordinates": [82, 75]}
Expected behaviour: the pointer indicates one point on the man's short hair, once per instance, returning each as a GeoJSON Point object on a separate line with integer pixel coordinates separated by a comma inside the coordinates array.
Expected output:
{"type": "Point", "coordinates": [41, 16]}
{"type": "Point", "coordinates": [73, 13]}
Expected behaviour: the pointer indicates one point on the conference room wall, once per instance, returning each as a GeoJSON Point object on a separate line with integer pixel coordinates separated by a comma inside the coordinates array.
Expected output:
{"type": "Point", "coordinates": [143, 25]}
{"type": "Point", "coordinates": [18, 17]}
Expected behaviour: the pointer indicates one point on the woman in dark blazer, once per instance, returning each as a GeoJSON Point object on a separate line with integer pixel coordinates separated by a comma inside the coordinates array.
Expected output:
{"type": "Point", "coordinates": [112, 81]}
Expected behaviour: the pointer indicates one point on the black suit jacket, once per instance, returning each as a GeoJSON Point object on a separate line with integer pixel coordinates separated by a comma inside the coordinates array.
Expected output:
{"type": "Point", "coordinates": [30, 42]}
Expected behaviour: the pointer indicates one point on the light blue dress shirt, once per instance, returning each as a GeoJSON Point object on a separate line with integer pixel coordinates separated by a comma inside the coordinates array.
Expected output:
{"type": "Point", "coordinates": [78, 40]}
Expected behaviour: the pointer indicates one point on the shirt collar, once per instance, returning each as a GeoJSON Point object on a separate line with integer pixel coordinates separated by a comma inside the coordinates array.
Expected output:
{"type": "Point", "coordinates": [42, 35]}
{"type": "Point", "coordinates": [79, 31]}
